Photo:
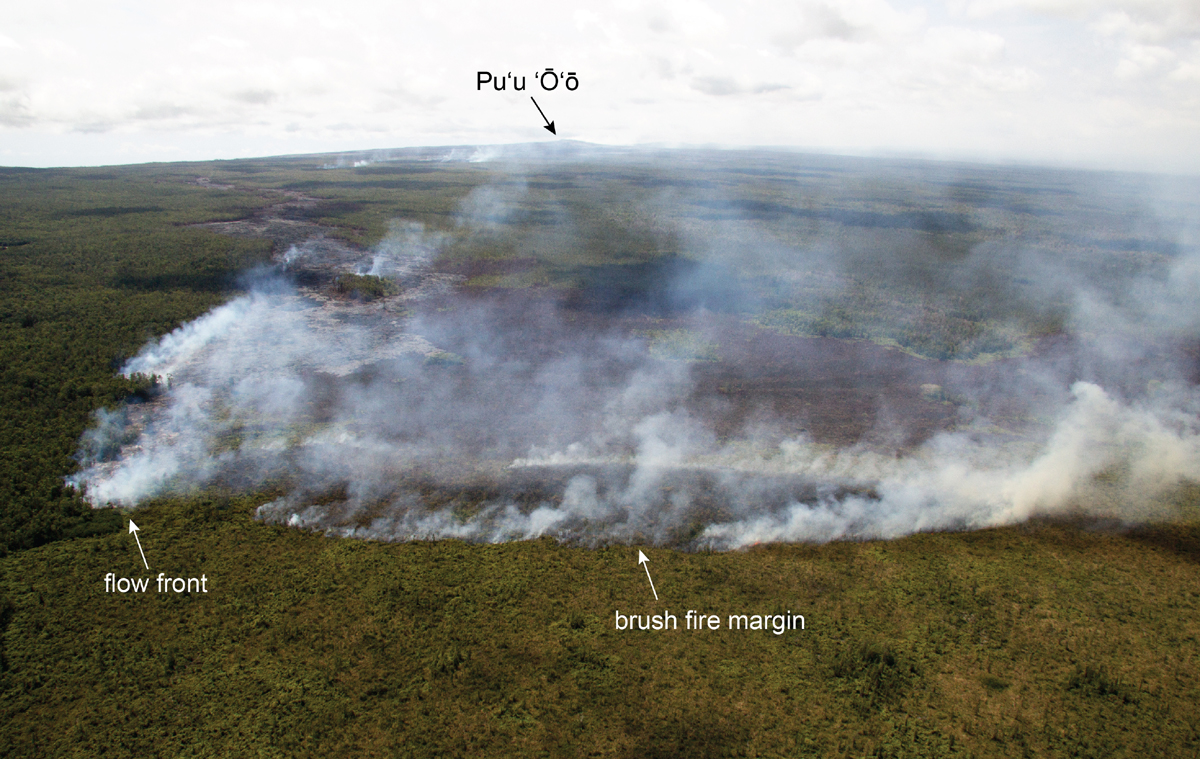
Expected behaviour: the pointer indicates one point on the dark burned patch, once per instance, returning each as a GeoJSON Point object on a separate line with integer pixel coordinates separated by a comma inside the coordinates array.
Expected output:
{"type": "Point", "coordinates": [311, 278]}
{"type": "Point", "coordinates": [660, 287]}
{"type": "Point", "coordinates": [527, 487]}
{"type": "Point", "coordinates": [924, 220]}
{"type": "Point", "coordinates": [482, 267]}
{"type": "Point", "coordinates": [833, 391]}
{"type": "Point", "coordinates": [1190, 353]}
{"type": "Point", "coordinates": [1139, 245]}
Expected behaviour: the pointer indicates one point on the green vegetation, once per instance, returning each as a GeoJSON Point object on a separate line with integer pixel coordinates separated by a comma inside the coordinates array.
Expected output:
{"type": "Point", "coordinates": [96, 262]}
{"type": "Point", "coordinates": [515, 281]}
{"type": "Point", "coordinates": [680, 345]}
{"type": "Point", "coordinates": [1044, 640]}
{"type": "Point", "coordinates": [938, 336]}
{"type": "Point", "coordinates": [90, 270]}
{"type": "Point", "coordinates": [444, 358]}
{"type": "Point", "coordinates": [364, 286]}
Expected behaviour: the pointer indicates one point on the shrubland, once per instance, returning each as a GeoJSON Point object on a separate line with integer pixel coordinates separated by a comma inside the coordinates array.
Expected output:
{"type": "Point", "coordinates": [1058, 638]}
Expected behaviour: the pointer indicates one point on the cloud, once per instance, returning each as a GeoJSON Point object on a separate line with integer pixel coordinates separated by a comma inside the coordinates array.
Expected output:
{"type": "Point", "coordinates": [1141, 60]}
{"type": "Point", "coordinates": [15, 111]}
{"type": "Point", "coordinates": [255, 97]}
{"type": "Point", "coordinates": [161, 112]}
{"type": "Point", "coordinates": [962, 44]}
{"type": "Point", "coordinates": [291, 75]}
{"type": "Point", "coordinates": [820, 21]}
{"type": "Point", "coordinates": [721, 86]}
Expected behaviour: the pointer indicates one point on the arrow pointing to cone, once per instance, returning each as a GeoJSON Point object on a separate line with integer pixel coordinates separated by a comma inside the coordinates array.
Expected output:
{"type": "Point", "coordinates": [134, 528]}
{"type": "Point", "coordinates": [549, 124]}
{"type": "Point", "coordinates": [641, 560]}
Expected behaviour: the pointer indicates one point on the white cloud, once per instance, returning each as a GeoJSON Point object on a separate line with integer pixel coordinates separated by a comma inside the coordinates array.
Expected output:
{"type": "Point", "coordinates": [941, 77]}
{"type": "Point", "coordinates": [1141, 60]}
{"type": "Point", "coordinates": [962, 44]}
{"type": "Point", "coordinates": [1188, 69]}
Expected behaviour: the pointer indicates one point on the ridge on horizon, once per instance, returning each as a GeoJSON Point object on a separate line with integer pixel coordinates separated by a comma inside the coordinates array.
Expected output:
{"type": "Point", "coordinates": [571, 148]}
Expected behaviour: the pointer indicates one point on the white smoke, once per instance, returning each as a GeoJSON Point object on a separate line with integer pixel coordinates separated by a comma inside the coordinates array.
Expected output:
{"type": "Point", "coordinates": [360, 409]}
{"type": "Point", "coordinates": [409, 248]}
{"type": "Point", "coordinates": [955, 483]}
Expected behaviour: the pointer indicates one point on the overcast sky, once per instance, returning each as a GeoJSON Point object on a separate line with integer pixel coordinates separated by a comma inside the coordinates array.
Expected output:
{"type": "Point", "coordinates": [1103, 83]}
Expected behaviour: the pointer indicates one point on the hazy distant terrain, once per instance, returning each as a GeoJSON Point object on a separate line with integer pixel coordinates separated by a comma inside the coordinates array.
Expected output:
{"type": "Point", "coordinates": [504, 371]}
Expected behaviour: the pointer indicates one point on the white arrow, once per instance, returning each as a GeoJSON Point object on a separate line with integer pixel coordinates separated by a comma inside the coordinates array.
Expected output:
{"type": "Point", "coordinates": [134, 528]}
{"type": "Point", "coordinates": [641, 560]}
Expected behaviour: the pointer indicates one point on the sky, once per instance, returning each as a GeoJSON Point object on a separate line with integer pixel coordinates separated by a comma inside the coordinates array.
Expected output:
{"type": "Point", "coordinates": [1112, 84]}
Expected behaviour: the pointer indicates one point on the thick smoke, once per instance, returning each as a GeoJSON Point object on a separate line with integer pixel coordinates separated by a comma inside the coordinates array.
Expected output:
{"type": "Point", "coordinates": [585, 414]}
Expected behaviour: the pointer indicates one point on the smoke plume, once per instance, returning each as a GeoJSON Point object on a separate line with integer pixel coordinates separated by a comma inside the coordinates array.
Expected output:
{"type": "Point", "coordinates": [744, 382]}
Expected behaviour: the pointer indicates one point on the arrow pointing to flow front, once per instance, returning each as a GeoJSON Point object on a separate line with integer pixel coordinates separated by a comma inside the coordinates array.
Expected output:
{"type": "Point", "coordinates": [641, 560]}
{"type": "Point", "coordinates": [134, 528]}
{"type": "Point", "coordinates": [549, 124]}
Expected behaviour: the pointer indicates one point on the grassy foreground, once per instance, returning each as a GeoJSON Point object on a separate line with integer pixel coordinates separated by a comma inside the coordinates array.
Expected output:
{"type": "Point", "coordinates": [1047, 639]}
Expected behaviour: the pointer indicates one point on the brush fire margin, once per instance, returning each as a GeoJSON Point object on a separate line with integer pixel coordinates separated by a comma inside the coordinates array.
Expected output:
{"type": "Point", "coordinates": [693, 620]}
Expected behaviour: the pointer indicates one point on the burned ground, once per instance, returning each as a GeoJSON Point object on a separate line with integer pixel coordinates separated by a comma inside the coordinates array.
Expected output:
{"type": "Point", "coordinates": [897, 344]}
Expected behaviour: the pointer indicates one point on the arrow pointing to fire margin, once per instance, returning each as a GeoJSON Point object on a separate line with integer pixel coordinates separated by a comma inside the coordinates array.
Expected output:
{"type": "Point", "coordinates": [643, 561]}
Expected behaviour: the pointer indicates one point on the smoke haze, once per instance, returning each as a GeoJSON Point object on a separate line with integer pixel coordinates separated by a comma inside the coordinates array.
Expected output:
{"type": "Point", "coordinates": [698, 362]}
